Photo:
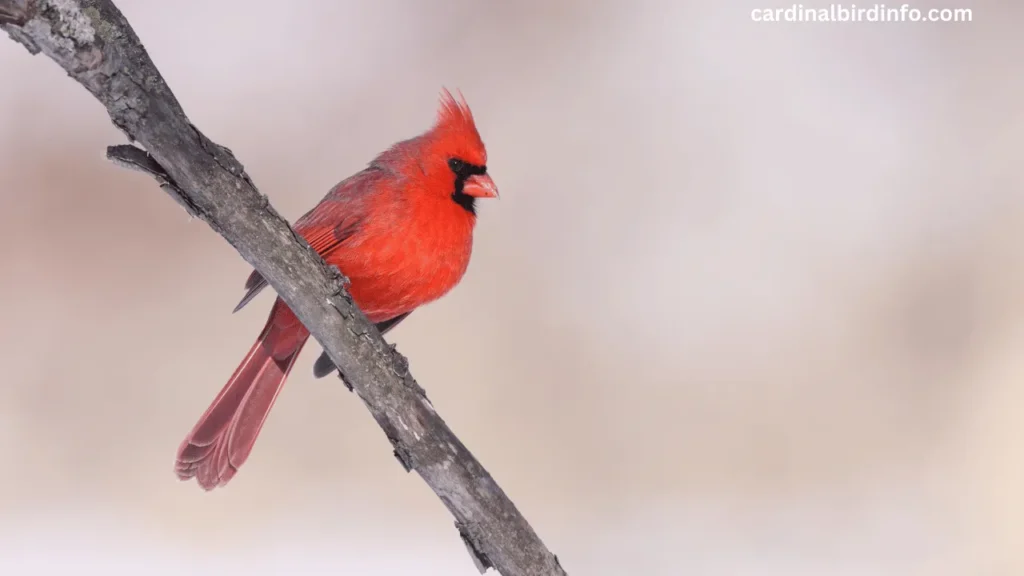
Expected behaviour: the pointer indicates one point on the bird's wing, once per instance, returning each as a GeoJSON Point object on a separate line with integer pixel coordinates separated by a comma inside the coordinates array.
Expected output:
{"type": "Point", "coordinates": [323, 241]}
{"type": "Point", "coordinates": [327, 226]}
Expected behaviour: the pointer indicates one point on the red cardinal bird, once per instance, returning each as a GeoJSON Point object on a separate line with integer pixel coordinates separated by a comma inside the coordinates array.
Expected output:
{"type": "Point", "coordinates": [401, 230]}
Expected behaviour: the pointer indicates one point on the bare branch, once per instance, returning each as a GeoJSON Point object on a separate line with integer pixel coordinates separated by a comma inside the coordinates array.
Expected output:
{"type": "Point", "coordinates": [93, 42]}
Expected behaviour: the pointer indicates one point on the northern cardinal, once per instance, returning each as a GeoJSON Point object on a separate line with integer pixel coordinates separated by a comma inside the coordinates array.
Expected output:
{"type": "Point", "coordinates": [401, 230]}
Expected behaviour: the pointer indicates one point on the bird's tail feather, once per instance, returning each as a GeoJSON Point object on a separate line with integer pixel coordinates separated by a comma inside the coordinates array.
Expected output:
{"type": "Point", "coordinates": [224, 436]}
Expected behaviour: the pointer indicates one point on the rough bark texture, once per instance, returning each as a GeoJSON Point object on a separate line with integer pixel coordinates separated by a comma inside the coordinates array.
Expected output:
{"type": "Point", "coordinates": [93, 42]}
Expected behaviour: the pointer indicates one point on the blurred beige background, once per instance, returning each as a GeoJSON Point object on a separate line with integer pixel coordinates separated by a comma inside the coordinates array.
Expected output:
{"type": "Point", "coordinates": [752, 301]}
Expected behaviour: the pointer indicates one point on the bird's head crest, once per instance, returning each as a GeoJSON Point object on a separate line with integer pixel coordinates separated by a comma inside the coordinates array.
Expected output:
{"type": "Point", "coordinates": [454, 133]}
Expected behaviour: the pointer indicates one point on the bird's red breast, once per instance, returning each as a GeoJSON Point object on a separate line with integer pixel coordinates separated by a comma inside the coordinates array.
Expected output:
{"type": "Point", "coordinates": [411, 251]}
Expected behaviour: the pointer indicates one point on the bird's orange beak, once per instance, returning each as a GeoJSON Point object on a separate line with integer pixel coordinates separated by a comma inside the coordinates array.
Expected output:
{"type": "Point", "coordinates": [480, 186]}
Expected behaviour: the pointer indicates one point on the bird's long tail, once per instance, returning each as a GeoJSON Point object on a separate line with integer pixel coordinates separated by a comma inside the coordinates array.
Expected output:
{"type": "Point", "coordinates": [224, 436]}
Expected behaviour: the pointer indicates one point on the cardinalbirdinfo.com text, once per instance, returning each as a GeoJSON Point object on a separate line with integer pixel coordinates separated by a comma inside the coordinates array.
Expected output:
{"type": "Point", "coordinates": [860, 13]}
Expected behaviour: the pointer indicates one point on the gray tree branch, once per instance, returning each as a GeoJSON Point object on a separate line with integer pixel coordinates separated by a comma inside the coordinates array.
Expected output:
{"type": "Point", "coordinates": [94, 43]}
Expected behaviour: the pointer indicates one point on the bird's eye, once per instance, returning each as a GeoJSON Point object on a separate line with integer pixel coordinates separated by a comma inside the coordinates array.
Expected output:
{"type": "Point", "coordinates": [456, 165]}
